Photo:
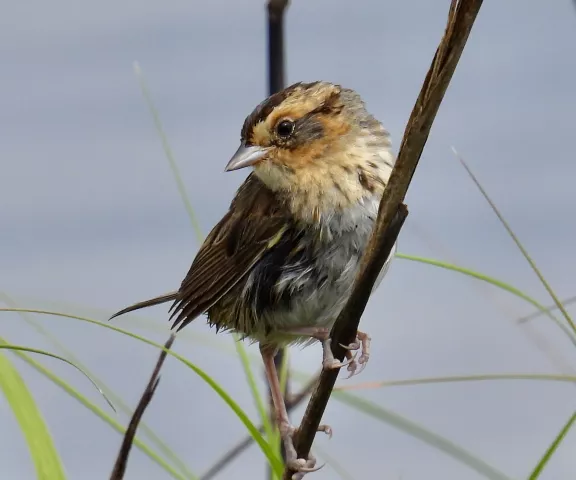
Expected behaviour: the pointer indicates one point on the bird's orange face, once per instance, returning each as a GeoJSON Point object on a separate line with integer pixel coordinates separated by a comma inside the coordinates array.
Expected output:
{"type": "Point", "coordinates": [317, 142]}
{"type": "Point", "coordinates": [293, 128]}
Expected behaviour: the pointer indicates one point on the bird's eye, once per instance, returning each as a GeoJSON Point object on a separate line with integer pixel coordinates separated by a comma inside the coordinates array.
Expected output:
{"type": "Point", "coordinates": [285, 128]}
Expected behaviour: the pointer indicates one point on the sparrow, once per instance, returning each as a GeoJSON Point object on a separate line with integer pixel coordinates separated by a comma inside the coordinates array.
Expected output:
{"type": "Point", "coordinates": [280, 265]}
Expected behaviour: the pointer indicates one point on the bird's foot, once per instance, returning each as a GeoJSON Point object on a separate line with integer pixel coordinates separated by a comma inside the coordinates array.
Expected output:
{"type": "Point", "coordinates": [300, 465]}
{"type": "Point", "coordinates": [328, 360]}
{"type": "Point", "coordinates": [354, 366]}
{"type": "Point", "coordinates": [362, 343]}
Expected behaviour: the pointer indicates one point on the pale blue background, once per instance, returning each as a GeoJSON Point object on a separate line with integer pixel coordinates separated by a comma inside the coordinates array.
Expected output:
{"type": "Point", "coordinates": [89, 214]}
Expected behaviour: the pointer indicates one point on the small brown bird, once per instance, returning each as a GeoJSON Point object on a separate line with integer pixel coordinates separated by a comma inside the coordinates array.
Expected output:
{"type": "Point", "coordinates": [280, 265]}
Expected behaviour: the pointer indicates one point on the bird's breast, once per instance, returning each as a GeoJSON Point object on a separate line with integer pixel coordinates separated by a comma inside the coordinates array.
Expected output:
{"type": "Point", "coordinates": [308, 286]}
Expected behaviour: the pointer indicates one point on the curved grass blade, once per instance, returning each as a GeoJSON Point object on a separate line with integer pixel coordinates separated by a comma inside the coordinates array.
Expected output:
{"type": "Point", "coordinates": [457, 379]}
{"type": "Point", "coordinates": [274, 461]}
{"type": "Point", "coordinates": [117, 400]}
{"type": "Point", "coordinates": [408, 426]}
{"type": "Point", "coordinates": [44, 455]}
{"type": "Point", "coordinates": [374, 410]}
{"type": "Point", "coordinates": [62, 359]}
{"type": "Point", "coordinates": [97, 411]}
{"type": "Point", "coordinates": [167, 150]}
{"type": "Point", "coordinates": [493, 281]}
{"type": "Point", "coordinates": [552, 448]}
{"type": "Point", "coordinates": [517, 242]}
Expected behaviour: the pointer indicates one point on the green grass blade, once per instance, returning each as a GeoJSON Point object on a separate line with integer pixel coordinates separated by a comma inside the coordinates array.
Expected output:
{"type": "Point", "coordinates": [552, 448]}
{"type": "Point", "coordinates": [167, 150]}
{"type": "Point", "coordinates": [517, 242]}
{"type": "Point", "coordinates": [117, 400]}
{"type": "Point", "coordinates": [274, 461]}
{"type": "Point", "coordinates": [546, 377]}
{"type": "Point", "coordinates": [407, 426]}
{"type": "Point", "coordinates": [44, 455]}
{"type": "Point", "coordinates": [367, 407]}
{"type": "Point", "coordinates": [415, 430]}
{"type": "Point", "coordinates": [62, 359]}
{"type": "Point", "coordinates": [493, 281]}
{"type": "Point", "coordinates": [97, 411]}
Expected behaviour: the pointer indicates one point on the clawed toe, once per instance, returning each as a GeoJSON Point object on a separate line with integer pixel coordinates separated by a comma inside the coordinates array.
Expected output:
{"type": "Point", "coordinates": [332, 363]}
{"type": "Point", "coordinates": [300, 465]}
{"type": "Point", "coordinates": [362, 343]}
{"type": "Point", "coordinates": [352, 346]}
{"type": "Point", "coordinates": [361, 346]}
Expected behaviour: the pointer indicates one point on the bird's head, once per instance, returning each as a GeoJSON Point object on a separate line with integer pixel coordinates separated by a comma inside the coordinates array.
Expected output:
{"type": "Point", "coordinates": [317, 143]}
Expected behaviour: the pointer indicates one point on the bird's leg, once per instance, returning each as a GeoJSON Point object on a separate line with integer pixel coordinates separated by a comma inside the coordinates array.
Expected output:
{"type": "Point", "coordinates": [362, 343]}
{"type": "Point", "coordinates": [286, 429]}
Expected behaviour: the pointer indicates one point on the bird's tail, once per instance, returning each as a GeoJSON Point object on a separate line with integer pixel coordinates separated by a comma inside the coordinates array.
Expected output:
{"type": "Point", "coordinates": [147, 303]}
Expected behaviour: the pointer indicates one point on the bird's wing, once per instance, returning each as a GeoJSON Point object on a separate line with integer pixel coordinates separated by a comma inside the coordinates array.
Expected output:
{"type": "Point", "coordinates": [254, 224]}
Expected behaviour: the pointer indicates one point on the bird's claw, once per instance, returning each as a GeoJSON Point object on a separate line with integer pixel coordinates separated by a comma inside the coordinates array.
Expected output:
{"type": "Point", "coordinates": [300, 465]}
{"type": "Point", "coordinates": [329, 362]}
{"type": "Point", "coordinates": [362, 343]}
{"type": "Point", "coordinates": [355, 366]}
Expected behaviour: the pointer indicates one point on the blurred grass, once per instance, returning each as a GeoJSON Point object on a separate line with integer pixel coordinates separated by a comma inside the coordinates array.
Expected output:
{"type": "Point", "coordinates": [358, 403]}
{"type": "Point", "coordinates": [109, 393]}
{"type": "Point", "coordinates": [496, 283]}
{"type": "Point", "coordinates": [556, 443]}
{"type": "Point", "coordinates": [517, 242]}
{"type": "Point", "coordinates": [547, 377]}
{"type": "Point", "coordinates": [401, 423]}
{"type": "Point", "coordinates": [275, 462]}
{"type": "Point", "coordinates": [72, 392]}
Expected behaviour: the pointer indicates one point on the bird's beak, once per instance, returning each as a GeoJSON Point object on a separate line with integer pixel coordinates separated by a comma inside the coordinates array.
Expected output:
{"type": "Point", "coordinates": [245, 157]}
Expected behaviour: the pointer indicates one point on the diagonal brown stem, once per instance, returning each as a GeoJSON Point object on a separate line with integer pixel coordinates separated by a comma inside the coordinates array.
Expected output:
{"type": "Point", "coordinates": [392, 212]}
{"type": "Point", "coordinates": [122, 459]}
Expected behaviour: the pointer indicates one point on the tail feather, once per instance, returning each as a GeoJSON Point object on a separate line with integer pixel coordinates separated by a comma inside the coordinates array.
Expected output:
{"type": "Point", "coordinates": [146, 303]}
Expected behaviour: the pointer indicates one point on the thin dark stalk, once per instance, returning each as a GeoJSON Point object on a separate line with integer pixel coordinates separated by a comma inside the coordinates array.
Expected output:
{"type": "Point", "coordinates": [122, 459]}
{"type": "Point", "coordinates": [276, 61]}
{"type": "Point", "coordinates": [392, 211]}
{"type": "Point", "coordinates": [276, 54]}
{"type": "Point", "coordinates": [291, 403]}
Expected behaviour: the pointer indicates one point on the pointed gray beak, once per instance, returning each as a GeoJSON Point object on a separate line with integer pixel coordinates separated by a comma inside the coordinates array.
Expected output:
{"type": "Point", "coordinates": [245, 157]}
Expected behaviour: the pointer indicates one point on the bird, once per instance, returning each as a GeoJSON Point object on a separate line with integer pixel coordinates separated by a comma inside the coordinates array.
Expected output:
{"type": "Point", "coordinates": [278, 268]}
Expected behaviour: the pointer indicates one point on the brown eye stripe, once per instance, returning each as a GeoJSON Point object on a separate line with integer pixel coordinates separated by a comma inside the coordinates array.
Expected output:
{"type": "Point", "coordinates": [265, 108]}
